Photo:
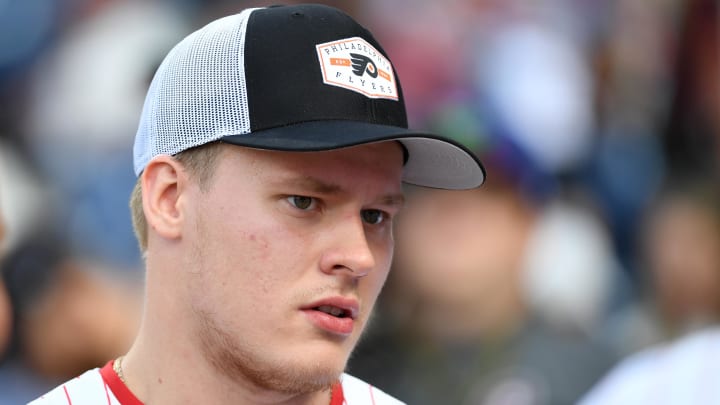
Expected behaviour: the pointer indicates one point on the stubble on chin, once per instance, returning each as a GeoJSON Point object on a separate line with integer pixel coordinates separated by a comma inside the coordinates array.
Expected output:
{"type": "Point", "coordinates": [239, 362]}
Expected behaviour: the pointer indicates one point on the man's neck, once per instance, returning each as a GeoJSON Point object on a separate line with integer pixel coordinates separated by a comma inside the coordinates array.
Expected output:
{"type": "Point", "coordinates": [162, 369]}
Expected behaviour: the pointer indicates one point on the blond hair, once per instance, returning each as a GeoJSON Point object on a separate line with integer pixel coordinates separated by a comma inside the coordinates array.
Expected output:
{"type": "Point", "coordinates": [199, 162]}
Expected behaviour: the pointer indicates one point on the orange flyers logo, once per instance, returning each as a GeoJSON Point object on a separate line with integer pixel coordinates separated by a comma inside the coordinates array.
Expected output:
{"type": "Point", "coordinates": [356, 65]}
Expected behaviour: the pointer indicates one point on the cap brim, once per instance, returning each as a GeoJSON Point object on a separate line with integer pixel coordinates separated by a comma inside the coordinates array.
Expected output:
{"type": "Point", "coordinates": [432, 161]}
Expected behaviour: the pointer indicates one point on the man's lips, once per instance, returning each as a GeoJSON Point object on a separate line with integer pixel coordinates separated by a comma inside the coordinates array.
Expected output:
{"type": "Point", "coordinates": [334, 314]}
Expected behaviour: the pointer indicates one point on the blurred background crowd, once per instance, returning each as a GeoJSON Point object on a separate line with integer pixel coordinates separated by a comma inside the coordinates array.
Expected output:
{"type": "Point", "coordinates": [596, 235]}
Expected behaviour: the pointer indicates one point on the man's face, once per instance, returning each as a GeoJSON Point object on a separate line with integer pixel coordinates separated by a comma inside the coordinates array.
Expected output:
{"type": "Point", "coordinates": [289, 252]}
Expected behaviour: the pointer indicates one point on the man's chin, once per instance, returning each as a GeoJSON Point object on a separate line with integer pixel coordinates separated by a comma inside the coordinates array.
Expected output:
{"type": "Point", "coordinates": [307, 374]}
{"type": "Point", "coordinates": [296, 381]}
{"type": "Point", "coordinates": [314, 367]}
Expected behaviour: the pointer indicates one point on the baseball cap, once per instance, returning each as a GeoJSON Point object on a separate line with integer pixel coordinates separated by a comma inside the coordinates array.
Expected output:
{"type": "Point", "coordinates": [290, 78]}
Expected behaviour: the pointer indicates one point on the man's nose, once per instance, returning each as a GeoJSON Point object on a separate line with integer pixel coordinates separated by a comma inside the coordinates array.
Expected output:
{"type": "Point", "coordinates": [348, 249]}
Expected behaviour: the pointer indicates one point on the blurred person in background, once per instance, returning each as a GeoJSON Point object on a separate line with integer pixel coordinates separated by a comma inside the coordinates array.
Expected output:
{"type": "Point", "coordinates": [5, 308]}
{"type": "Point", "coordinates": [681, 305]}
{"type": "Point", "coordinates": [22, 212]}
{"type": "Point", "coordinates": [67, 310]}
{"type": "Point", "coordinates": [6, 318]}
{"type": "Point", "coordinates": [72, 312]}
{"type": "Point", "coordinates": [681, 250]}
{"type": "Point", "coordinates": [679, 270]}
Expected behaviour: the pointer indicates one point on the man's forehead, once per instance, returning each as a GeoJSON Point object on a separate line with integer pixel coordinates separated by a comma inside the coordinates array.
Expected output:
{"type": "Point", "coordinates": [383, 156]}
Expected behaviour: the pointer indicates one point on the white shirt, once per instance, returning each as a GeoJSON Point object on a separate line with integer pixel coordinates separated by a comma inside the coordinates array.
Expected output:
{"type": "Point", "coordinates": [103, 386]}
{"type": "Point", "coordinates": [684, 372]}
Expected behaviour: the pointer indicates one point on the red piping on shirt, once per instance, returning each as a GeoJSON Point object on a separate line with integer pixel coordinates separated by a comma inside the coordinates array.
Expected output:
{"type": "Point", "coordinates": [67, 395]}
{"type": "Point", "coordinates": [338, 396]}
{"type": "Point", "coordinates": [118, 388]}
{"type": "Point", "coordinates": [372, 397]}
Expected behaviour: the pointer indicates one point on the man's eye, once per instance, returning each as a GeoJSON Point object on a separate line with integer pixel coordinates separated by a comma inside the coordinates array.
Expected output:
{"type": "Point", "coordinates": [302, 202]}
{"type": "Point", "coordinates": [372, 217]}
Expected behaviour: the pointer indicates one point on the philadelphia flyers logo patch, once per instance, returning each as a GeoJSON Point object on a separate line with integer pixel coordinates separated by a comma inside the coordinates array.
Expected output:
{"type": "Point", "coordinates": [354, 64]}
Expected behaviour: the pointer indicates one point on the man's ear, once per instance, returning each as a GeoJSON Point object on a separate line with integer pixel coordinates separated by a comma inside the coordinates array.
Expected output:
{"type": "Point", "coordinates": [163, 182]}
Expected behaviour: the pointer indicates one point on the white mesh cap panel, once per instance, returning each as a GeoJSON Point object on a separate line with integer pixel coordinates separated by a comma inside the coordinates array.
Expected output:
{"type": "Point", "coordinates": [198, 94]}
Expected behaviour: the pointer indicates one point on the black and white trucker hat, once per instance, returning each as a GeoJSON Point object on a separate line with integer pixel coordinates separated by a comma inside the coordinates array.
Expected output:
{"type": "Point", "coordinates": [292, 78]}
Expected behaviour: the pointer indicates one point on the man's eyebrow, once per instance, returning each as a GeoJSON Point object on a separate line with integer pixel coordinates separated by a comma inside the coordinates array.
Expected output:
{"type": "Point", "coordinates": [311, 183]}
{"type": "Point", "coordinates": [322, 187]}
{"type": "Point", "coordinates": [397, 200]}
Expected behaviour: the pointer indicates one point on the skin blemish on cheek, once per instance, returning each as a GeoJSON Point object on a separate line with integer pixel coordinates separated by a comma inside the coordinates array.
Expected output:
{"type": "Point", "coordinates": [257, 245]}
{"type": "Point", "coordinates": [258, 240]}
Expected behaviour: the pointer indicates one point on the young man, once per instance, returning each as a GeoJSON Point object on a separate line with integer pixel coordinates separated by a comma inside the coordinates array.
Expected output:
{"type": "Point", "coordinates": [270, 156]}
